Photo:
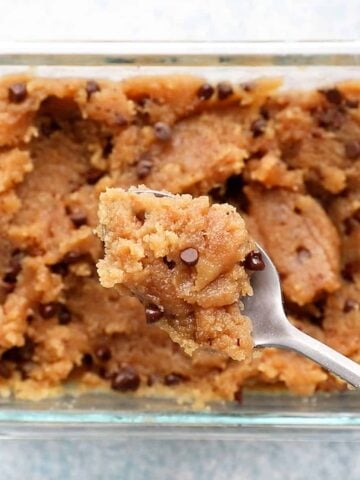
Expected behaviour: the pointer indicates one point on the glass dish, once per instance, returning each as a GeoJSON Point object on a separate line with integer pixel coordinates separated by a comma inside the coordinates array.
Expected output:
{"type": "Point", "coordinates": [262, 415]}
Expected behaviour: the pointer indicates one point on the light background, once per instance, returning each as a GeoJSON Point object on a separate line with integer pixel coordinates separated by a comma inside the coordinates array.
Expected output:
{"type": "Point", "coordinates": [135, 459]}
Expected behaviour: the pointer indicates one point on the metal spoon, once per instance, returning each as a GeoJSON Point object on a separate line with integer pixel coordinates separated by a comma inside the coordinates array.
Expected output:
{"type": "Point", "coordinates": [271, 328]}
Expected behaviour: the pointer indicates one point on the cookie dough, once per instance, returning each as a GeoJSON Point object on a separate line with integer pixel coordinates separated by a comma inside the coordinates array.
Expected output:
{"type": "Point", "coordinates": [184, 259]}
{"type": "Point", "coordinates": [288, 161]}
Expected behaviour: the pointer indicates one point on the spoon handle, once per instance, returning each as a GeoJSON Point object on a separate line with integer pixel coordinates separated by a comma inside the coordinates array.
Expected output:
{"type": "Point", "coordinates": [325, 356]}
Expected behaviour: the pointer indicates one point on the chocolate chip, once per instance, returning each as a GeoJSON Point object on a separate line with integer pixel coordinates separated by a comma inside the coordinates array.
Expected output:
{"type": "Point", "coordinates": [162, 131]}
{"type": "Point", "coordinates": [63, 314]}
{"type": "Point", "coordinates": [258, 127]}
{"type": "Point", "coordinates": [351, 222]}
{"type": "Point", "coordinates": [332, 95]}
{"type": "Point", "coordinates": [48, 310]}
{"type": "Point", "coordinates": [20, 354]}
{"type": "Point", "coordinates": [78, 219]}
{"type": "Point", "coordinates": [349, 271]}
{"type": "Point", "coordinates": [144, 166]}
{"type": "Point", "coordinates": [264, 112]}
{"type": "Point", "coordinates": [10, 277]}
{"type": "Point", "coordinates": [91, 88]}
{"type": "Point", "coordinates": [169, 263]}
{"type": "Point", "coordinates": [303, 253]}
{"type": "Point", "coordinates": [72, 257]}
{"type": "Point", "coordinates": [238, 395]}
{"type": "Point", "coordinates": [173, 379]}
{"type": "Point", "coordinates": [108, 147]}
{"type": "Point", "coordinates": [254, 261]}
{"type": "Point", "coordinates": [356, 215]}
{"type": "Point", "coordinates": [350, 305]}
{"type": "Point", "coordinates": [349, 225]}
{"type": "Point", "coordinates": [151, 379]}
{"type": "Point", "coordinates": [59, 268]}
{"type": "Point", "coordinates": [17, 92]}
{"type": "Point", "coordinates": [140, 216]}
{"type": "Point", "coordinates": [87, 360]}
{"type": "Point", "coordinates": [247, 86]}
{"type": "Point", "coordinates": [93, 175]}
{"type": "Point", "coordinates": [190, 256]}
{"type": "Point", "coordinates": [103, 354]}
{"type": "Point", "coordinates": [205, 92]}
{"type": "Point", "coordinates": [153, 313]}
{"type": "Point", "coordinates": [224, 90]}
{"type": "Point", "coordinates": [120, 120]}
{"type": "Point", "coordinates": [5, 371]}
{"type": "Point", "coordinates": [125, 379]}
{"type": "Point", "coordinates": [15, 260]}
{"type": "Point", "coordinates": [330, 118]}
{"type": "Point", "coordinates": [351, 103]}
{"type": "Point", "coordinates": [352, 149]}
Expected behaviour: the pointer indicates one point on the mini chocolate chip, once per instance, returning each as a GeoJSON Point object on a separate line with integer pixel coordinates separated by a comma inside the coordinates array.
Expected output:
{"type": "Point", "coordinates": [72, 257]}
{"type": "Point", "coordinates": [205, 92]}
{"type": "Point", "coordinates": [224, 90]}
{"type": "Point", "coordinates": [303, 253]}
{"type": "Point", "coordinates": [15, 260]}
{"type": "Point", "coordinates": [120, 120]}
{"type": "Point", "coordinates": [63, 314]}
{"type": "Point", "coordinates": [247, 86]}
{"type": "Point", "coordinates": [254, 261]}
{"type": "Point", "coordinates": [20, 354]}
{"type": "Point", "coordinates": [91, 88]}
{"type": "Point", "coordinates": [153, 313]}
{"type": "Point", "coordinates": [352, 149]}
{"type": "Point", "coordinates": [48, 310]}
{"type": "Point", "coordinates": [78, 219]}
{"type": "Point", "coordinates": [93, 175]}
{"type": "Point", "coordinates": [87, 360]}
{"type": "Point", "coordinates": [264, 112]}
{"type": "Point", "coordinates": [125, 379]}
{"type": "Point", "coordinates": [258, 127]}
{"type": "Point", "coordinates": [151, 379]}
{"type": "Point", "coordinates": [140, 216]}
{"type": "Point", "coordinates": [356, 215]}
{"type": "Point", "coordinates": [59, 268]}
{"type": "Point", "coordinates": [332, 95]}
{"type": "Point", "coordinates": [169, 263]}
{"type": "Point", "coordinates": [5, 371]}
{"type": "Point", "coordinates": [350, 305]}
{"type": "Point", "coordinates": [144, 166]}
{"type": "Point", "coordinates": [348, 271]}
{"type": "Point", "coordinates": [162, 131]}
{"type": "Point", "coordinates": [17, 92]}
{"type": "Point", "coordinates": [108, 147]}
{"type": "Point", "coordinates": [174, 379]}
{"type": "Point", "coordinates": [190, 256]}
{"type": "Point", "coordinates": [103, 354]}
{"type": "Point", "coordinates": [330, 118]}
{"type": "Point", "coordinates": [349, 225]}
{"type": "Point", "coordinates": [10, 277]}
{"type": "Point", "coordinates": [351, 103]}
{"type": "Point", "coordinates": [238, 395]}
{"type": "Point", "coordinates": [142, 101]}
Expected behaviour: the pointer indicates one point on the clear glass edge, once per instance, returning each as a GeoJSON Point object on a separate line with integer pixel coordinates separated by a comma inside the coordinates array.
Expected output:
{"type": "Point", "coordinates": [339, 421]}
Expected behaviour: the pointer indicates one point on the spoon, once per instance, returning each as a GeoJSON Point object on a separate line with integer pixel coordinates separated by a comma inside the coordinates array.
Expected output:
{"type": "Point", "coordinates": [271, 327]}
